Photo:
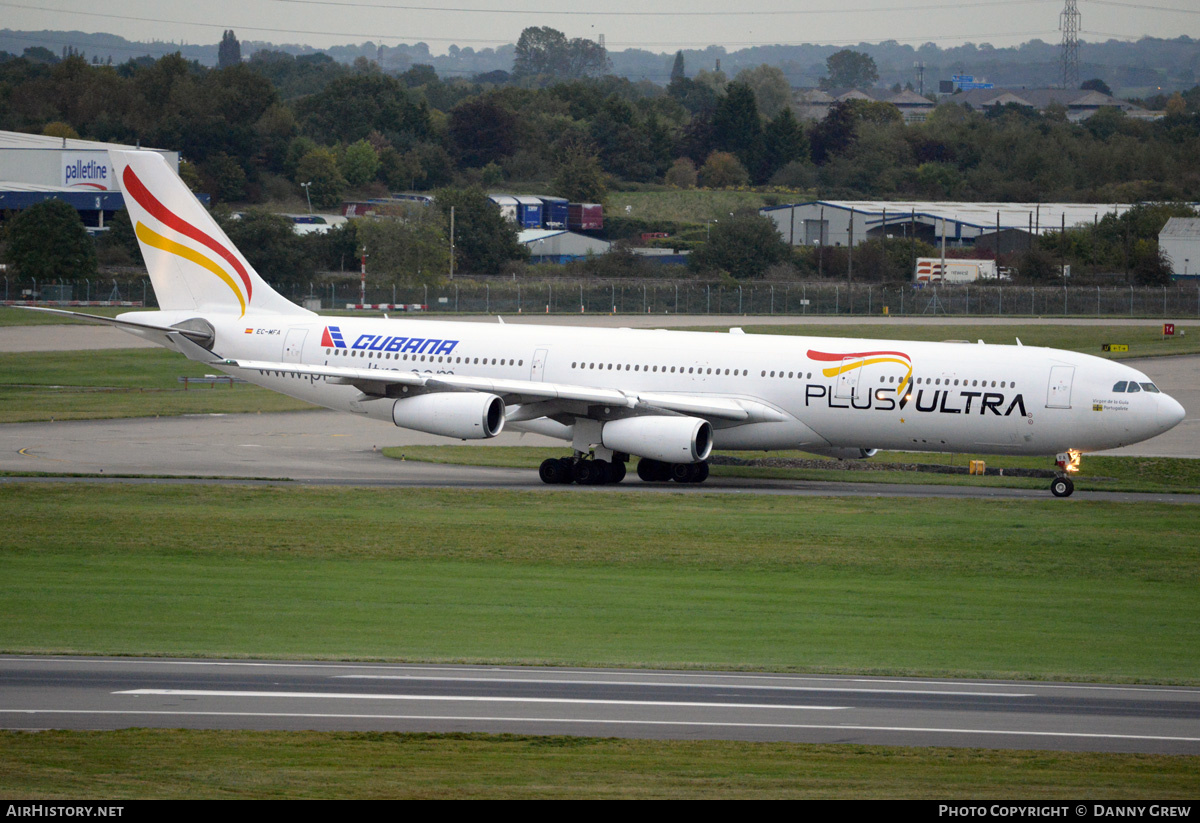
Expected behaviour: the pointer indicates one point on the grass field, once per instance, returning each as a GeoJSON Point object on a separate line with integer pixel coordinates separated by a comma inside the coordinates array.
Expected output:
{"type": "Point", "coordinates": [119, 383]}
{"type": "Point", "coordinates": [147, 763]}
{"type": "Point", "coordinates": [21, 317]}
{"type": "Point", "coordinates": [963, 588]}
{"type": "Point", "coordinates": [1098, 473]}
{"type": "Point", "coordinates": [687, 206]}
{"type": "Point", "coordinates": [1143, 341]}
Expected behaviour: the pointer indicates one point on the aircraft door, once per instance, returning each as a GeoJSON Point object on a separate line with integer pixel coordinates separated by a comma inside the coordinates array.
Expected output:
{"type": "Point", "coordinates": [293, 345]}
{"type": "Point", "coordinates": [1058, 393]}
{"type": "Point", "coordinates": [538, 366]}
{"type": "Point", "coordinates": [848, 377]}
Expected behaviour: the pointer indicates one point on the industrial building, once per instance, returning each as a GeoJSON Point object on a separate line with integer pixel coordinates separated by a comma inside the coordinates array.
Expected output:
{"type": "Point", "coordinates": [1001, 227]}
{"type": "Point", "coordinates": [557, 246]}
{"type": "Point", "coordinates": [1179, 240]}
{"type": "Point", "coordinates": [34, 168]}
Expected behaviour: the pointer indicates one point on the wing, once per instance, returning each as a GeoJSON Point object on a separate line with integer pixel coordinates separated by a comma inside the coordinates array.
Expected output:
{"type": "Point", "coordinates": [536, 399]}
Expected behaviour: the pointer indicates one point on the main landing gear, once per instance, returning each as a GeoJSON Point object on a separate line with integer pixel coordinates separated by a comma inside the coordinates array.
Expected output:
{"type": "Point", "coordinates": [587, 471]}
{"type": "Point", "coordinates": [1067, 462]}
{"type": "Point", "coordinates": [656, 471]}
{"type": "Point", "coordinates": [581, 470]}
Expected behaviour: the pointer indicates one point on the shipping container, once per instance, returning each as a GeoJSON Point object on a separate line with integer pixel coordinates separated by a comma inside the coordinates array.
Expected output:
{"type": "Point", "coordinates": [508, 205]}
{"type": "Point", "coordinates": [529, 211]}
{"type": "Point", "coordinates": [585, 216]}
{"type": "Point", "coordinates": [554, 212]}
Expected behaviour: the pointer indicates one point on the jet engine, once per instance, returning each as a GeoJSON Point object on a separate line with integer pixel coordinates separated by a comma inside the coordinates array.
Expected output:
{"type": "Point", "coordinates": [669, 439]}
{"type": "Point", "coordinates": [843, 454]}
{"type": "Point", "coordinates": [465, 415]}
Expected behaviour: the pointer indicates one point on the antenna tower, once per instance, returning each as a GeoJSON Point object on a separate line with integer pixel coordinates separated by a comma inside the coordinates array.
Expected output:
{"type": "Point", "coordinates": [1068, 23]}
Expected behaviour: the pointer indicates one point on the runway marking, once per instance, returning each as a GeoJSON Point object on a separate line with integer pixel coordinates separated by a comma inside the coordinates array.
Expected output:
{"type": "Point", "coordinates": [578, 721]}
{"type": "Point", "coordinates": [856, 690]}
{"type": "Point", "coordinates": [471, 699]}
{"type": "Point", "coordinates": [741, 676]}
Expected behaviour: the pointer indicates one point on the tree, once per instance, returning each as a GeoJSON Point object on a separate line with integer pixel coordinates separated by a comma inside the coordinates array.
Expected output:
{"type": "Point", "coordinates": [850, 69]}
{"type": "Point", "coordinates": [745, 246]}
{"type": "Point", "coordinates": [543, 51]}
{"type": "Point", "coordinates": [359, 163]}
{"type": "Point", "coordinates": [410, 252]}
{"type": "Point", "coordinates": [271, 245]}
{"type": "Point", "coordinates": [579, 177]}
{"type": "Point", "coordinates": [681, 175]}
{"type": "Point", "coordinates": [48, 240]}
{"type": "Point", "coordinates": [319, 168]}
{"type": "Point", "coordinates": [677, 70]}
{"type": "Point", "coordinates": [482, 131]}
{"type": "Point", "coordinates": [772, 91]}
{"type": "Point", "coordinates": [229, 52]}
{"type": "Point", "coordinates": [484, 241]}
{"type": "Point", "coordinates": [1096, 84]}
{"type": "Point", "coordinates": [722, 170]}
{"type": "Point", "coordinates": [738, 129]}
{"type": "Point", "coordinates": [785, 143]}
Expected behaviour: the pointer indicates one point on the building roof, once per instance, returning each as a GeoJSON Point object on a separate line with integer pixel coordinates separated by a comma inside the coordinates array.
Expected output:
{"type": "Point", "coordinates": [1182, 227]}
{"type": "Point", "coordinates": [21, 140]}
{"type": "Point", "coordinates": [534, 235]}
{"type": "Point", "coordinates": [1047, 217]}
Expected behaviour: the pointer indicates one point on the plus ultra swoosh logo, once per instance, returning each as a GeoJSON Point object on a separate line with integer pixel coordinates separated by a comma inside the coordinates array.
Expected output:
{"type": "Point", "coordinates": [849, 361]}
{"type": "Point", "coordinates": [230, 270]}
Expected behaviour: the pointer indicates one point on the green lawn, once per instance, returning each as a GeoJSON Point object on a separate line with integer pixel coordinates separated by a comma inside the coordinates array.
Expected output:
{"type": "Point", "coordinates": [1044, 589]}
{"type": "Point", "coordinates": [22, 317]}
{"type": "Point", "coordinates": [180, 764]}
{"type": "Point", "coordinates": [687, 206]}
{"type": "Point", "coordinates": [1097, 473]}
{"type": "Point", "coordinates": [119, 383]}
{"type": "Point", "coordinates": [1143, 340]}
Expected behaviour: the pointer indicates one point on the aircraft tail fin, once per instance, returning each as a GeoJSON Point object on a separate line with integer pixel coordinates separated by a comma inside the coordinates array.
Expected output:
{"type": "Point", "coordinates": [192, 264]}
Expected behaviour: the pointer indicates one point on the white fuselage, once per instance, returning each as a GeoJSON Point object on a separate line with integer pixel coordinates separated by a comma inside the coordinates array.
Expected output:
{"type": "Point", "coordinates": [830, 392]}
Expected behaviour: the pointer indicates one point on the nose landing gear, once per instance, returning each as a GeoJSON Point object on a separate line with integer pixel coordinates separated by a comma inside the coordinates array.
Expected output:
{"type": "Point", "coordinates": [1067, 462]}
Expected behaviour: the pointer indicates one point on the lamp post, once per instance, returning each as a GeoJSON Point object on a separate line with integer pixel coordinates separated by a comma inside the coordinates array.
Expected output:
{"type": "Point", "coordinates": [307, 196]}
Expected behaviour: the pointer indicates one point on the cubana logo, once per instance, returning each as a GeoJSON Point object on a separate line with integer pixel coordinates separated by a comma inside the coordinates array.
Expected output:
{"type": "Point", "coordinates": [856, 360]}
{"type": "Point", "coordinates": [332, 338]}
{"type": "Point", "coordinates": [241, 287]}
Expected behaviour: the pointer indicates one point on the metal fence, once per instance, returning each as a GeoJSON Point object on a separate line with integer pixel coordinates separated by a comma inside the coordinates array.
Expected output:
{"type": "Point", "coordinates": [501, 296]}
{"type": "Point", "coordinates": [658, 297]}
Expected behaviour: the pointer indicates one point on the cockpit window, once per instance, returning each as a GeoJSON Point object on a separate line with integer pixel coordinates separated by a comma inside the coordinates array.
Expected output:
{"type": "Point", "coordinates": [1133, 387]}
{"type": "Point", "coordinates": [1150, 387]}
{"type": "Point", "coordinates": [1120, 387]}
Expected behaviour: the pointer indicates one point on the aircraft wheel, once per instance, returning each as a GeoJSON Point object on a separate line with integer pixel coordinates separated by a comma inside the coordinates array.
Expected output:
{"type": "Point", "coordinates": [551, 471]}
{"type": "Point", "coordinates": [599, 473]}
{"type": "Point", "coordinates": [616, 472]}
{"type": "Point", "coordinates": [1062, 487]}
{"type": "Point", "coordinates": [701, 472]}
{"type": "Point", "coordinates": [682, 472]}
{"type": "Point", "coordinates": [647, 470]}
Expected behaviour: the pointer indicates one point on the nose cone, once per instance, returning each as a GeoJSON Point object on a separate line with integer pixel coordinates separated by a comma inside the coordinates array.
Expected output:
{"type": "Point", "coordinates": [1170, 412]}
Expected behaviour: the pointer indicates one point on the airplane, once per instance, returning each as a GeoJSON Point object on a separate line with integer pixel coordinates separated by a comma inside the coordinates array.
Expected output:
{"type": "Point", "coordinates": [666, 397]}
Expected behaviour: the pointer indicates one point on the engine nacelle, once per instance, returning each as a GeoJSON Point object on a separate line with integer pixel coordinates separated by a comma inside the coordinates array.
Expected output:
{"type": "Point", "coordinates": [843, 454]}
{"type": "Point", "coordinates": [669, 439]}
{"type": "Point", "coordinates": [465, 415]}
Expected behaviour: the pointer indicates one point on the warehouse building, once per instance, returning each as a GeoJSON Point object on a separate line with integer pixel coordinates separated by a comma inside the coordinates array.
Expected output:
{"type": "Point", "coordinates": [1179, 240]}
{"type": "Point", "coordinates": [553, 246]}
{"type": "Point", "coordinates": [34, 168]}
{"type": "Point", "coordinates": [1002, 227]}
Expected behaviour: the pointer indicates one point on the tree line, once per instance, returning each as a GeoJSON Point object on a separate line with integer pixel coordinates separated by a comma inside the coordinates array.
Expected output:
{"type": "Point", "coordinates": [275, 127]}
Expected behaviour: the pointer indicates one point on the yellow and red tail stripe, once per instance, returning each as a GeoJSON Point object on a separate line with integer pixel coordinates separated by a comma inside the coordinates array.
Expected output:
{"type": "Point", "coordinates": [860, 359]}
{"type": "Point", "coordinates": [137, 189]}
{"type": "Point", "coordinates": [152, 238]}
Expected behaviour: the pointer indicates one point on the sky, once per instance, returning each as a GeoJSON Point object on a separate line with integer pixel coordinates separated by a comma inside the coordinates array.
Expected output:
{"type": "Point", "coordinates": [661, 26]}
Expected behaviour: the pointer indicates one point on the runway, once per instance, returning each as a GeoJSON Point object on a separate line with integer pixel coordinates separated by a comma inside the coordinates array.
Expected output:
{"type": "Point", "coordinates": [111, 693]}
{"type": "Point", "coordinates": [332, 448]}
